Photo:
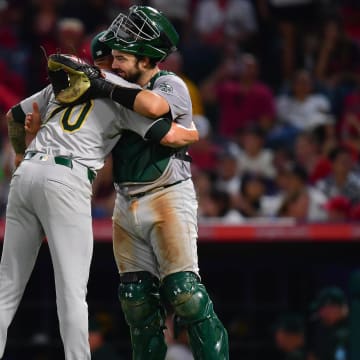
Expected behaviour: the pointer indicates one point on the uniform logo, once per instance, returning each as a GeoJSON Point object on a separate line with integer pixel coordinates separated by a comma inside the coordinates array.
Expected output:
{"type": "Point", "coordinates": [166, 88]}
{"type": "Point", "coordinates": [44, 157]}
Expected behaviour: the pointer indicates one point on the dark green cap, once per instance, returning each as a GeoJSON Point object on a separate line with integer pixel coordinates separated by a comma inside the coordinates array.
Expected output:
{"type": "Point", "coordinates": [99, 49]}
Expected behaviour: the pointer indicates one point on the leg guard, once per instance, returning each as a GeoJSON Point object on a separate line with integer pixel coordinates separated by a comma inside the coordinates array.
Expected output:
{"type": "Point", "coordinates": [140, 302]}
{"type": "Point", "coordinates": [192, 305]}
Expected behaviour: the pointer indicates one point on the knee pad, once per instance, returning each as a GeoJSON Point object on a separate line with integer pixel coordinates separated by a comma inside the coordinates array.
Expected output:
{"type": "Point", "coordinates": [140, 299]}
{"type": "Point", "coordinates": [192, 305]}
{"type": "Point", "coordinates": [187, 296]}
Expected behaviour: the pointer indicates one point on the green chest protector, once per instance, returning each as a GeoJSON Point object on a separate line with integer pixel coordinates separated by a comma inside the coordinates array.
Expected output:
{"type": "Point", "coordinates": [137, 160]}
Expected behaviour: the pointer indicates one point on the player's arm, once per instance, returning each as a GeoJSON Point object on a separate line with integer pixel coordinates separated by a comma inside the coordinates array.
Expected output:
{"type": "Point", "coordinates": [16, 133]}
{"type": "Point", "coordinates": [179, 136]}
{"type": "Point", "coordinates": [166, 132]}
{"type": "Point", "coordinates": [144, 102]}
{"type": "Point", "coordinates": [150, 104]}
{"type": "Point", "coordinates": [132, 96]}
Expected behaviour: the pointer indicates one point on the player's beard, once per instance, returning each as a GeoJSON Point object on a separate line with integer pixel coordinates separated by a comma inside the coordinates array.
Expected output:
{"type": "Point", "coordinates": [134, 75]}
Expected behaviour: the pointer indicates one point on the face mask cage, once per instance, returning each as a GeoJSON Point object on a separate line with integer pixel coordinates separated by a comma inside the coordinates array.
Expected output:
{"type": "Point", "coordinates": [132, 28]}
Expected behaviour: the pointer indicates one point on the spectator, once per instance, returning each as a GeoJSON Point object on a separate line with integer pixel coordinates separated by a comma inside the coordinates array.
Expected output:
{"type": "Point", "coordinates": [350, 14]}
{"type": "Point", "coordinates": [203, 186]}
{"type": "Point", "coordinates": [338, 60]}
{"type": "Point", "coordinates": [100, 348]}
{"type": "Point", "coordinates": [349, 124]}
{"type": "Point", "coordinates": [217, 206]}
{"type": "Point", "coordinates": [298, 199]}
{"type": "Point", "coordinates": [243, 99]}
{"type": "Point", "coordinates": [307, 153]}
{"type": "Point", "coordinates": [338, 209]}
{"type": "Point", "coordinates": [289, 337]}
{"type": "Point", "coordinates": [227, 176]}
{"type": "Point", "coordinates": [216, 20]}
{"type": "Point", "coordinates": [355, 213]}
{"type": "Point", "coordinates": [344, 179]}
{"type": "Point", "coordinates": [254, 157]}
{"type": "Point", "coordinates": [327, 137]}
{"type": "Point", "coordinates": [294, 20]}
{"type": "Point", "coordinates": [174, 63]}
{"type": "Point", "coordinates": [71, 36]}
{"type": "Point", "coordinates": [178, 12]}
{"type": "Point", "coordinates": [205, 151]}
{"type": "Point", "coordinates": [328, 330]}
{"type": "Point", "coordinates": [252, 192]}
{"type": "Point", "coordinates": [303, 108]}
{"type": "Point", "coordinates": [14, 54]}
{"type": "Point", "coordinates": [94, 18]}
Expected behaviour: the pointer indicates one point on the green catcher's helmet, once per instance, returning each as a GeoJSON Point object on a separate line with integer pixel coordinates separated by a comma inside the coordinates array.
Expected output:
{"type": "Point", "coordinates": [144, 31]}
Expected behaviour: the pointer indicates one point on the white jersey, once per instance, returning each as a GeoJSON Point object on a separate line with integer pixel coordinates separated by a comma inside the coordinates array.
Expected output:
{"type": "Point", "coordinates": [86, 132]}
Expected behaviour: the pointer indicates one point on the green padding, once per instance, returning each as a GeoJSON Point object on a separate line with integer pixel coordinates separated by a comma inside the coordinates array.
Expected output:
{"type": "Point", "coordinates": [140, 301]}
{"type": "Point", "coordinates": [194, 309]}
{"type": "Point", "coordinates": [18, 114]}
{"type": "Point", "coordinates": [188, 297]}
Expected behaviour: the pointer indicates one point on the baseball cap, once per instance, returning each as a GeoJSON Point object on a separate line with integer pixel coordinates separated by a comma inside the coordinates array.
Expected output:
{"type": "Point", "coordinates": [98, 48]}
{"type": "Point", "coordinates": [339, 203]}
{"type": "Point", "coordinates": [329, 296]}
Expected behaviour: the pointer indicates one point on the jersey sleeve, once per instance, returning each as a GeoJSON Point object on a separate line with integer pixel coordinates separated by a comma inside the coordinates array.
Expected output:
{"type": "Point", "coordinates": [148, 129]}
{"type": "Point", "coordinates": [42, 97]}
{"type": "Point", "coordinates": [173, 89]}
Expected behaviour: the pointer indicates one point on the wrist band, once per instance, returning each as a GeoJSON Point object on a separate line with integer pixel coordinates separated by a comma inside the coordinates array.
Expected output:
{"type": "Point", "coordinates": [124, 96]}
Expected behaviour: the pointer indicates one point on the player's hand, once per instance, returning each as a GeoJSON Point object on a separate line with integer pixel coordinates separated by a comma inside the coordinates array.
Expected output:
{"type": "Point", "coordinates": [33, 120]}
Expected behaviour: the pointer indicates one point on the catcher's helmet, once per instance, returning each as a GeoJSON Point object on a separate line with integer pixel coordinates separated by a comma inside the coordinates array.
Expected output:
{"type": "Point", "coordinates": [143, 31]}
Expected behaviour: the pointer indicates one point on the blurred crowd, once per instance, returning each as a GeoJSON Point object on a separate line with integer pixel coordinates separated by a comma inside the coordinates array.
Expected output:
{"type": "Point", "coordinates": [275, 87]}
{"type": "Point", "coordinates": [324, 335]}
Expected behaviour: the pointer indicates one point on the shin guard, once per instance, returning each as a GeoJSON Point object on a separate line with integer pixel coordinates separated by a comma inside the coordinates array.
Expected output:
{"type": "Point", "coordinates": [140, 301]}
{"type": "Point", "coordinates": [193, 307]}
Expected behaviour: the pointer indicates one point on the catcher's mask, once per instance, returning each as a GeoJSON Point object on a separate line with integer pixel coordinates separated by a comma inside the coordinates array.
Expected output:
{"type": "Point", "coordinates": [144, 31]}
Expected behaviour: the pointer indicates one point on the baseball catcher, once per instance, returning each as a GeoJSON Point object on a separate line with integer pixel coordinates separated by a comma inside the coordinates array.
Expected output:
{"type": "Point", "coordinates": [155, 214]}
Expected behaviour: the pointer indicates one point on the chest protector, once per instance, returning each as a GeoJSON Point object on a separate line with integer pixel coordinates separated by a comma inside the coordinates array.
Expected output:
{"type": "Point", "coordinates": [137, 160]}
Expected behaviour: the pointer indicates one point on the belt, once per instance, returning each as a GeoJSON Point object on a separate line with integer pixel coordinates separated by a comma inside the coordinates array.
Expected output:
{"type": "Point", "coordinates": [141, 194]}
{"type": "Point", "coordinates": [62, 160]}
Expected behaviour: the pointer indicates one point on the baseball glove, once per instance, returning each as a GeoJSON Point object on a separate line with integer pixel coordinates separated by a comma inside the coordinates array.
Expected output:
{"type": "Point", "coordinates": [74, 81]}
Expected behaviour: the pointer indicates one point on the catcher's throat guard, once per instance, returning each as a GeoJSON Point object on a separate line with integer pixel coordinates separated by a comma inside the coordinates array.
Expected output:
{"type": "Point", "coordinates": [70, 77]}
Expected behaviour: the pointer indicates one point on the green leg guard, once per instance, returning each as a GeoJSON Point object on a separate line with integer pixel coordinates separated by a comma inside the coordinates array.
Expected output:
{"type": "Point", "coordinates": [140, 302]}
{"type": "Point", "coordinates": [192, 305]}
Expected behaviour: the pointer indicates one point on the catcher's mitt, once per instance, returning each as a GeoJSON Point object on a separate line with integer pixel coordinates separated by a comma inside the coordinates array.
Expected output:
{"type": "Point", "coordinates": [74, 81]}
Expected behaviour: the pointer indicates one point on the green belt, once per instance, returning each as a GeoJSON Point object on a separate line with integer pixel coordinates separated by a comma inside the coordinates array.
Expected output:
{"type": "Point", "coordinates": [62, 160]}
{"type": "Point", "coordinates": [141, 194]}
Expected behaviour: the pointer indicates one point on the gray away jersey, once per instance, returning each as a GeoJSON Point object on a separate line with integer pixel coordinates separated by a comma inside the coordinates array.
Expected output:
{"type": "Point", "coordinates": [85, 132]}
{"type": "Point", "coordinates": [173, 89]}
{"type": "Point", "coordinates": [152, 165]}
